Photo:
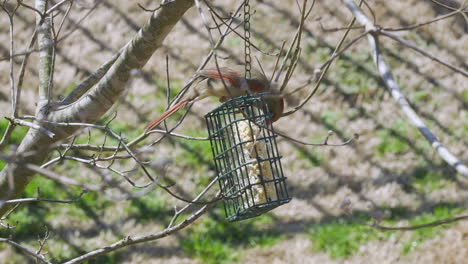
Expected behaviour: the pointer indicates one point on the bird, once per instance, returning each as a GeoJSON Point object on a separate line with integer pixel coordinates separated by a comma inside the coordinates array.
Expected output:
{"type": "Point", "coordinates": [208, 83]}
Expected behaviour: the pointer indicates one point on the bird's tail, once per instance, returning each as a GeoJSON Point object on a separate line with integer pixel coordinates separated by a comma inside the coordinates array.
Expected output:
{"type": "Point", "coordinates": [155, 122]}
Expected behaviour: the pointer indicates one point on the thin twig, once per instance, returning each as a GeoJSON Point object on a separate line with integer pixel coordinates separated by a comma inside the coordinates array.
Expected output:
{"type": "Point", "coordinates": [62, 179]}
{"type": "Point", "coordinates": [412, 228]}
{"type": "Point", "coordinates": [22, 72]}
{"type": "Point", "coordinates": [395, 91]}
{"type": "Point", "coordinates": [423, 52]}
{"type": "Point", "coordinates": [8, 132]}
{"type": "Point", "coordinates": [443, 5]}
{"type": "Point", "coordinates": [297, 50]}
{"type": "Point", "coordinates": [140, 239]}
{"type": "Point", "coordinates": [38, 12]}
{"type": "Point", "coordinates": [335, 29]}
{"type": "Point", "coordinates": [5, 217]}
{"type": "Point", "coordinates": [39, 199]}
{"type": "Point", "coordinates": [42, 241]}
{"type": "Point", "coordinates": [75, 27]}
{"type": "Point", "coordinates": [25, 250]}
{"type": "Point", "coordinates": [67, 12]}
{"type": "Point", "coordinates": [152, 10]}
{"type": "Point", "coordinates": [439, 18]}
{"type": "Point", "coordinates": [196, 199]}
{"type": "Point", "coordinates": [208, 56]}
{"type": "Point", "coordinates": [323, 144]}
{"type": "Point", "coordinates": [324, 71]}
{"type": "Point", "coordinates": [47, 46]}
{"type": "Point", "coordinates": [342, 50]}
{"type": "Point", "coordinates": [12, 48]}
{"type": "Point", "coordinates": [88, 146]}
{"type": "Point", "coordinates": [277, 62]}
{"type": "Point", "coordinates": [234, 30]}
{"type": "Point", "coordinates": [32, 125]}
{"type": "Point", "coordinates": [57, 6]}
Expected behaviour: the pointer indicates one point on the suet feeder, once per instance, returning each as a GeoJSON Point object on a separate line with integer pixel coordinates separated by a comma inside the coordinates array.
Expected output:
{"type": "Point", "coordinates": [246, 157]}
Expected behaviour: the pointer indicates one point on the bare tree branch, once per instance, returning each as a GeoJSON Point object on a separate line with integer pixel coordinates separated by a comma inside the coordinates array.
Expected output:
{"type": "Point", "coordinates": [62, 179]}
{"type": "Point", "coordinates": [6, 136]}
{"type": "Point", "coordinates": [28, 252]}
{"type": "Point", "coordinates": [410, 228]}
{"type": "Point", "coordinates": [22, 72]}
{"type": "Point", "coordinates": [13, 92]}
{"type": "Point", "coordinates": [56, 6]}
{"type": "Point", "coordinates": [210, 54]}
{"type": "Point", "coordinates": [140, 239]}
{"type": "Point", "coordinates": [11, 15]}
{"type": "Point", "coordinates": [439, 18]}
{"type": "Point", "coordinates": [44, 40]}
{"type": "Point", "coordinates": [31, 50]}
{"type": "Point", "coordinates": [324, 71]}
{"type": "Point", "coordinates": [131, 143]}
{"type": "Point", "coordinates": [98, 100]}
{"type": "Point", "coordinates": [423, 52]}
{"type": "Point", "coordinates": [89, 82]}
{"type": "Point", "coordinates": [39, 199]}
{"type": "Point", "coordinates": [395, 91]}
{"type": "Point", "coordinates": [32, 125]}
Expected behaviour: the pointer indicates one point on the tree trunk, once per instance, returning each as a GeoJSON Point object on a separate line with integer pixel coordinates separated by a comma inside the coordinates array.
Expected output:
{"type": "Point", "coordinates": [35, 147]}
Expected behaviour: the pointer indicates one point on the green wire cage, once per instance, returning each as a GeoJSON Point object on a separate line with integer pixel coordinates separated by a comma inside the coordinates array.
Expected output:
{"type": "Point", "coordinates": [246, 157]}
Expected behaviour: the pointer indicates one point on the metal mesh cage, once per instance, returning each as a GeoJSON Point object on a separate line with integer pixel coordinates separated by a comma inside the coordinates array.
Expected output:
{"type": "Point", "coordinates": [246, 157]}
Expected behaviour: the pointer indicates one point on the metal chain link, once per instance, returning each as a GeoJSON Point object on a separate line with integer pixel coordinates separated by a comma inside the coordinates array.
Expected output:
{"type": "Point", "coordinates": [248, 59]}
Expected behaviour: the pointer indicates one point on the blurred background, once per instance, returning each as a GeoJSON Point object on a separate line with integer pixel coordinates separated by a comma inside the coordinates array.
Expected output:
{"type": "Point", "coordinates": [390, 170]}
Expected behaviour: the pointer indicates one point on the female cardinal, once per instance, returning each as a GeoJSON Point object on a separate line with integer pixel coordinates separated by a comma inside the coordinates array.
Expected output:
{"type": "Point", "coordinates": [235, 84]}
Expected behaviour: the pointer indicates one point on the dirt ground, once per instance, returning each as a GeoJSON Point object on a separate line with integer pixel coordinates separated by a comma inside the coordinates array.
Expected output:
{"type": "Point", "coordinates": [381, 168]}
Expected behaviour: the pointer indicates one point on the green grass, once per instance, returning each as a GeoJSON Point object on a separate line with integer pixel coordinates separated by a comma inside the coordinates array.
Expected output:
{"type": "Point", "coordinates": [110, 258]}
{"type": "Point", "coordinates": [418, 236]}
{"type": "Point", "coordinates": [392, 140]}
{"type": "Point", "coordinates": [234, 42]}
{"type": "Point", "coordinates": [390, 144]}
{"type": "Point", "coordinates": [421, 96]}
{"type": "Point", "coordinates": [67, 89]}
{"type": "Point", "coordinates": [218, 241]}
{"type": "Point", "coordinates": [341, 237]}
{"type": "Point", "coordinates": [465, 96]}
{"type": "Point", "coordinates": [427, 180]}
{"type": "Point", "coordinates": [161, 95]}
{"type": "Point", "coordinates": [358, 81]}
{"type": "Point", "coordinates": [331, 116]}
{"type": "Point", "coordinates": [465, 123]}
{"type": "Point", "coordinates": [34, 219]}
{"type": "Point", "coordinates": [122, 129]}
{"type": "Point", "coordinates": [15, 138]}
{"type": "Point", "coordinates": [197, 152]}
{"type": "Point", "coordinates": [149, 207]}
{"type": "Point", "coordinates": [161, 98]}
{"type": "Point", "coordinates": [17, 135]}
{"type": "Point", "coordinates": [29, 217]}
{"type": "Point", "coordinates": [315, 158]}
{"type": "Point", "coordinates": [126, 131]}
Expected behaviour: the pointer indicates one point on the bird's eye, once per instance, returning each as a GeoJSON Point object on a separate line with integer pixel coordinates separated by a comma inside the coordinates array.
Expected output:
{"type": "Point", "coordinates": [210, 83]}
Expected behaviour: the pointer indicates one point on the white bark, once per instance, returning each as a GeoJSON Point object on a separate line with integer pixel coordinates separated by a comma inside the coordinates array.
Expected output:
{"type": "Point", "coordinates": [98, 99]}
{"type": "Point", "coordinates": [396, 93]}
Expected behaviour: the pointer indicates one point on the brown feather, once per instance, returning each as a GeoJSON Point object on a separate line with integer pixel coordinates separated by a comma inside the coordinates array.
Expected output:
{"type": "Point", "coordinates": [227, 74]}
{"type": "Point", "coordinates": [155, 122]}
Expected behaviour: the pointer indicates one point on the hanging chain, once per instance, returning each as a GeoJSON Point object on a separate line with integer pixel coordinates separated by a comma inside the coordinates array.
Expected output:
{"type": "Point", "coordinates": [248, 59]}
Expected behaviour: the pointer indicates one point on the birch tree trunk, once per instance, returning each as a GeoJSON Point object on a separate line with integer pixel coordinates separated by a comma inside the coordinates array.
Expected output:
{"type": "Point", "coordinates": [35, 147]}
